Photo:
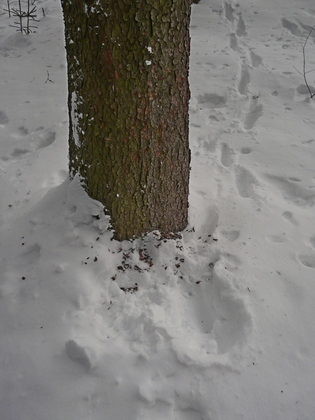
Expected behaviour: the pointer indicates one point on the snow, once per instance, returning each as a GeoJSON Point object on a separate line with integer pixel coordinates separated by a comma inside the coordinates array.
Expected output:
{"type": "Point", "coordinates": [216, 324]}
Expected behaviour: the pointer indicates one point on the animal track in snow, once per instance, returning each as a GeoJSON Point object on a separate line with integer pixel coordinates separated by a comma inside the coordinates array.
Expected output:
{"type": "Point", "coordinates": [35, 139]}
{"type": "Point", "coordinates": [188, 414]}
{"type": "Point", "coordinates": [244, 80]}
{"type": "Point", "coordinates": [208, 143]}
{"type": "Point", "coordinates": [3, 118]}
{"type": "Point", "coordinates": [277, 238]}
{"type": "Point", "coordinates": [226, 156]}
{"type": "Point", "coordinates": [23, 131]}
{"type": "Point", "coordinates": [303, 89]}
{"type": "Point", "coordinates": [246, 150]}
{"type": "Point", "coordinates": [46, 140]}
{"type": "Point", "coordinates": [287, 215]}
{"type": "Point", "coordinates": [312, 241]}
{"type": "Point", "coordinates": [30, 255]}
{"type": "Point", "coordinates": [292, 191]}
{"type": "Point", "coordinates": [307, 260]}
{"type": "Point", "coordinates": [211, 100]}
{"type": "Point", "coordinates": [156, 395]}
{"type": "Point", "coordinates": [245, 182]}
{"type": "Point", "coordinates": [308, 141]}
{"type": "Point", "coordinates": [231, 235]}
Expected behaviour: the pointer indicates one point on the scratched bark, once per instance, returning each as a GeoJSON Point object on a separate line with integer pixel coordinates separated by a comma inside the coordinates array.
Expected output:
{"type": "Point", "coordinates": [128, 108]}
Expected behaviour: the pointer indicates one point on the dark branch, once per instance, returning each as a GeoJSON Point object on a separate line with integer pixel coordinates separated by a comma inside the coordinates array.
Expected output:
{"type": "Point", "coordinates": [312, 94]}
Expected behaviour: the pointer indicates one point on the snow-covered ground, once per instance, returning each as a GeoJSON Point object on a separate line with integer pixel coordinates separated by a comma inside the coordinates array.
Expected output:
{"type": "Point", "coordinates": [215, 325]}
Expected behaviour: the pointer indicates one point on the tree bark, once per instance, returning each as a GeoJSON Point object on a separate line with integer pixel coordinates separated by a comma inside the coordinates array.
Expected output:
{"type": "Point", "coordinates": [128, 108]}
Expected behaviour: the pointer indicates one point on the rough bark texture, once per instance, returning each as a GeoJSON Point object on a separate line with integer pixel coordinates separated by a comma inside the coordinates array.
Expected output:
{"type": "Point", "coordinates": [128, 108]}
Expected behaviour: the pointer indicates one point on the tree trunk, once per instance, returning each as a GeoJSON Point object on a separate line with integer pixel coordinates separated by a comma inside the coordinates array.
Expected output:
{"type": "Point", "coordinates": [128, 108]}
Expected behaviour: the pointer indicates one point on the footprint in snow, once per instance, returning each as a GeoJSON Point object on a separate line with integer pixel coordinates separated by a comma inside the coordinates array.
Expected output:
{"type": "Point", "coordinates": [19, 152]}
{"type": "Point", "coordinates": [14, 42]}
{"type": "Point", "coordinates": [241, 28]}
{"type": "Point", "coordinates": [304, 90]}
{"type": "Point", "coordinates": [233, 42]}
{"type": "Point", "coordinates": [245, 182]}
{"type": "Point", "coordinates": [292, 27]}
{"type": "Point", "coordinates": [216, 321]}
{"type": "Point", "coordinates": [255, 59]}
{"type": "Point", "coordinates": [209, 226]}
{"type": "Point", "coordinates": [254, 113]}
{"type": "Point", "coordinates": [244, 80]}
{"type": "Point", "coordinates": [226, 155]}
{"type": "Point", "coordinates": [229, 12]}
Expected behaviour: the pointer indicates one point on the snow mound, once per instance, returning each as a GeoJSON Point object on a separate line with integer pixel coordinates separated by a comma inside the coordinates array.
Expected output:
{"type": "Point", "coordinates": [81, 352]}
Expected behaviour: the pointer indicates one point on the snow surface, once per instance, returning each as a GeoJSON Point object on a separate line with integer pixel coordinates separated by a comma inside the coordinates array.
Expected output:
{"type": "Point", "coordinates": [216, 325]}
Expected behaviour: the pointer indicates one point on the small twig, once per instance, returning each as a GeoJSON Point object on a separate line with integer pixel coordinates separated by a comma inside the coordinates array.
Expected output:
{"type": "Point", "coordinates": [312, 94]}
{"type": "Point", "coordinates": [20, 15]}
{"type": "Point", "coordinates": [28, 17]}
{"type": "Point", "coordinates": [9, 9]}
{"type": "Point", "coordinates": [48, 78]}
